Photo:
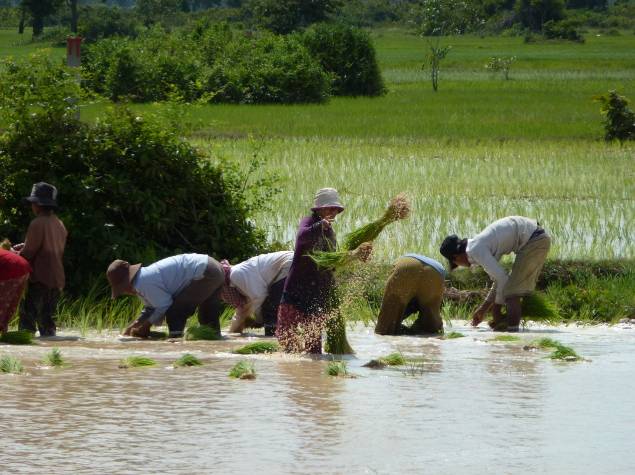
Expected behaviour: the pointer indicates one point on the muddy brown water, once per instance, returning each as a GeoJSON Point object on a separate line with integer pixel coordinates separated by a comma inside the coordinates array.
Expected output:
{"type": "Point", "coordinates": [472, 406]}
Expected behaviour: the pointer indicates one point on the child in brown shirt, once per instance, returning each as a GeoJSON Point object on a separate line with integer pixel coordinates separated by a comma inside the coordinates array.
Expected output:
{"type": "Point", "coordinates": [43, 247]}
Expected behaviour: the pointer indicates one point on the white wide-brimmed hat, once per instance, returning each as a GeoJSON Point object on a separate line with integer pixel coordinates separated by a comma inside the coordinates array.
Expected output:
{"type": "Point", "coordinates": [327, 198]}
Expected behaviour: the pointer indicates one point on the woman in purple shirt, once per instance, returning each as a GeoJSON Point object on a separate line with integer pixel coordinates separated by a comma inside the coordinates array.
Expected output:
{"type": "Point", "coordinates": [309, 291]}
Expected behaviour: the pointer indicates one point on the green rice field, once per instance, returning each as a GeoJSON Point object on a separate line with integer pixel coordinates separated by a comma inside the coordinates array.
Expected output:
{"type": "Point", "coordinates": [478, 149]}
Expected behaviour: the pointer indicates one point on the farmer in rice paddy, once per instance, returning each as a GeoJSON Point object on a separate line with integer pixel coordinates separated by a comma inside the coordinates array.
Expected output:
{"type": "Point", "coordinates": [172, 288]}
{"type": "Point", "coordinates": [522, 236]}
{"type": "Point", "coordinates": [308, 294]}
{"type": "Point", "coordinates": [43, 247]}
{"type": "Point", "coordinates": [415, 286]}
{"type": "Point", "coordinates": [14, 274]}
{"type": "Point", "coordinates": [254, 287]}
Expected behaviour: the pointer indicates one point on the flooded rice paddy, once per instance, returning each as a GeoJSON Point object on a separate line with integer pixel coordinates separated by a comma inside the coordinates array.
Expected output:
{"type": "Point", "coordinates": [471, 406]}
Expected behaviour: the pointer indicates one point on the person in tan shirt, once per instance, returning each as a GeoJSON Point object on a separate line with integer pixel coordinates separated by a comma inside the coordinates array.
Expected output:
{"type": "Point", "coordinates": [43, 247]}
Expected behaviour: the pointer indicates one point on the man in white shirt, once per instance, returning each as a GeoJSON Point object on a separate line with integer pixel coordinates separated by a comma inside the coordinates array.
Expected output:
{"type": "Point", "coordinates": [514, 234]}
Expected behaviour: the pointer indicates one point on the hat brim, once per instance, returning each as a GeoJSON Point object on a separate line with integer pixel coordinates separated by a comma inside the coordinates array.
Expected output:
{"type": "Point", "coordinates": [39, 202]}
{"type": "Point", "coordinates": [121, 287]}
{"type": "Point", "coordinates": [339, 207]}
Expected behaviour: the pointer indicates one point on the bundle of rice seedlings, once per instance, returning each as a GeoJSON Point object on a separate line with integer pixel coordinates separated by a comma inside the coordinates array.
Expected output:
{"type": "Point", "coordinates": [243, 370]}
{"type": "Point", "coordinates": [537, 306]}
{"type": "Point", "coordinates": [187, 359]}
{"type": "Point", "coordinates": [20, 337]}
{"type": "Point", "coordinates": [336, 368]}
{"type": "Point", "coordinates": [393, 359]}
{"type": "Point", "coordinates": [258, 347]}
{"type": "Point", "coordinates": [565, 353]}
{"type": "Point", "coordinates": [398, 208]}
{"type": "Point", "coordinates": [5, 244]}
{"type": "Point", "coordinates": [136, 361]}
{"type": "Point", "coordinates": [452, 335]}
{"type": "Point", "coordinates": [10, 364]}
{"type": "Point", "coordinates": [54, 358]}
{"type": "Point", "coordinates": [202, 332]}
{"type": "Point", "coordinates": [505, 338]}
{"type": "Point", "coordinates": [547, 343]}
{"type": "Point", "coordinates": [336, 341]}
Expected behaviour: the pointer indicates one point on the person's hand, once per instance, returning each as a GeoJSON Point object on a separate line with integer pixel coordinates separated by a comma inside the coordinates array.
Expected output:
{"type": "Point", "coordinates": [478, 316]}
{"type": "Point", "coordinates": [364, 251]}
{"type": "Point", "coordinates": [17, 247]}
{"type": "Point", "coordinates": [326, 223]}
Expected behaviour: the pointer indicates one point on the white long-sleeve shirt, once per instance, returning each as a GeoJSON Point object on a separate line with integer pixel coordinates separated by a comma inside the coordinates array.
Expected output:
{"type": "Point", "coordinates": [502, 237]}
{"type": "Point", "coordinates": [253, 278]}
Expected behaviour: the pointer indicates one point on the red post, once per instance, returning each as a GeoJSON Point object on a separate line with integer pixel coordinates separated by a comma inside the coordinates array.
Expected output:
{"type": "Point", "coordinates": [74, 51]}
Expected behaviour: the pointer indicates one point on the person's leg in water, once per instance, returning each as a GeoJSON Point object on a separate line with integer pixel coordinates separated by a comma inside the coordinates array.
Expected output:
{"type": "Point", "coordinates": [269, 309]}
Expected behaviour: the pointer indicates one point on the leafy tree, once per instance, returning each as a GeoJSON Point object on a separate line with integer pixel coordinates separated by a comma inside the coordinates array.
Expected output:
{"type": "Point", "coordinates": [285, 16]}
{"type": "Point", "coordinates": [534, 14]}
{"type": "Point", "coordinates": [151, 10]}
{"type": "Point", "coordinates": [39, 10]}
{"type": "Point", "coordinates": [619, 123]}
{"type": "Point", "coordinates": [447, 17]}
{"type": "Point", "coordinates": [437, 53]}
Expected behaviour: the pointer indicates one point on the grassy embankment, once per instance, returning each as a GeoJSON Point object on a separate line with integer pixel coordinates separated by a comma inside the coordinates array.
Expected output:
{"type": "Point", "coordinates": [478, 149]}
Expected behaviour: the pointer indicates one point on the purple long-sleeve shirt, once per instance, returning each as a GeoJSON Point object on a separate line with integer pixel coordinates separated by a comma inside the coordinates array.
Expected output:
{"type": "Point", "coordinates": [309, 288]}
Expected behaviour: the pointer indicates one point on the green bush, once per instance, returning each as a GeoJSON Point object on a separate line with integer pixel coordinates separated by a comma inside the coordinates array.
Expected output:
{"type": "Point", "coordinates": [562, 30]}
{"type": "Point", "coordinates": [100, 21]}
{"type": "Point", "coordinates": [128, 187]}
{"type": "Point", "coordinates": [619, 123]}
{"type": "Point", "coordinates": [266, 69]}
{"type": "Point", "coordinates": [210, 64]}
{"type": "Point", "coordinates": [349, 55]}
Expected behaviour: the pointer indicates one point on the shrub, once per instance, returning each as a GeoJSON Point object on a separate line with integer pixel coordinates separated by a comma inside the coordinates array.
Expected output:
{"type": "Point", "coordinates": [562, 30]}
{"type": "Point", "coordinates": [99, 21]}
{"type": "Point", "coordinates": [266, 69]}
{"type": "Point", "coordinates": [349, 55]}
{"type": "Point", "coordinates": [619, 122]}
{"type": "Point", "coordinates": [128, 187]}
{"type": "Point", "coordinates": [500, 64]}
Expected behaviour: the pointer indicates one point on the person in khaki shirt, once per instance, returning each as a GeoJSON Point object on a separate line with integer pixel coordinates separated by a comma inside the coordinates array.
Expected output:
{"type": "Point", "coordinates": [43, 247]}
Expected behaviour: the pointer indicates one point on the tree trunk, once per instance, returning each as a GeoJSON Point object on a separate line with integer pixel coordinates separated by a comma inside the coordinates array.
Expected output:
{"type": "Point", "coordinates": [38, 25]}
{"type": "Point", "coordinates": [22, 20]}
{"type": "Point", "coordinates": [74, 15]}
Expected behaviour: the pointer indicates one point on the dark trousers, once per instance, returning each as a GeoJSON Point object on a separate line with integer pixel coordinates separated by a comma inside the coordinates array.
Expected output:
{"type": "Point", "coordinates": [270, 306]}
{"type": "Point", "coordinates": [37, 311]}
{"type": "Point", "coordinates": [202, 294]}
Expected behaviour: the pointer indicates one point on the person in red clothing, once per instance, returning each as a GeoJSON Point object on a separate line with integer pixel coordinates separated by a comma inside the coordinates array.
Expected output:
{"type": "Point", "coordinates": [14, 274]}
{"type": "Point", "coordinates": [43, 247]}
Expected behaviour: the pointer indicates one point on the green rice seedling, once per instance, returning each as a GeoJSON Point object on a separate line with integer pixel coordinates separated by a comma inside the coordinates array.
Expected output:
{"type": "Point", "coordinates": [336, 341]}
{"type": "Point", "coordinates": [258, 347]}
{"type": "Point", "coordinates": [54, 358]}
{"type": "Point", "coordinates": [452, 335]}
{"type": "Point", "coordinates": [414, 367]}
{"type": "Point", "coordinates": [393, 359]}
{"type": "Point", "coordinates": [19, 337]}
{"type": "Point", "coordinates": [537, 306]}
{"type": "Point", "coordinates": [505, 338]}
{"type": "Point", "coordinates": [202, 332]}
{"type": "Point", "coordinates": [136, 362]}
{"type": "Point", "coordinates": [336, 368]}
{"type": "Point", "coordinates": [10, 364]}
{"type": "Point", "coordinates": [187, 359]}
{"type": "Point", "coordinates": [547, 343]}
{"type": "Point", "coordinates": [565, 353]}
{"type": "Point", "coordinates": [243, 370]}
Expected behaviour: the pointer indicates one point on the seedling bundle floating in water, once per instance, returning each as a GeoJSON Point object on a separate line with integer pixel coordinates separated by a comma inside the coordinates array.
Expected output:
{"type": "Point", "coordinates": [10, 364]}
{"type": "Point", "coordinates": [54, 358]}
{"type": "Point", "coordinates": [243, 370]}
{"type": "Point", "coordinates": [336, 368]}
{"type": "Point", "coordinates": [20, 337]}
{"type": "Point", "coordinates": [202, 332]}
{"type": "Point", "coordinates": [505, 338]}
{"type": "Point", "coordinates": [136, 362]}
{"type": "Point", "coordinates": [452, 335]}
{"type": "Point", "coordinates": [258, 347]}
{"type": "Point", "coordinates": [187, 359]}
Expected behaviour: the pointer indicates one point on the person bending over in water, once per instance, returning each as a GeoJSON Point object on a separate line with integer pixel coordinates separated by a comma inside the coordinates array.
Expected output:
{"type": "Point", "coordinates": [172, 288]}
{"type": "Point", "coordinates": [522, 236]}
{"type": "Point", "coordinates": [415, 285]}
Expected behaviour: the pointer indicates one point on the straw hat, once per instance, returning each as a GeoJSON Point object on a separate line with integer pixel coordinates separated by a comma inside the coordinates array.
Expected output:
{"type": "Point", "coordinates": [327, 198]}
{"type": "Point", "coordinates": [120, 275]}
{"type": "Point", "coordinates": [43, 194]}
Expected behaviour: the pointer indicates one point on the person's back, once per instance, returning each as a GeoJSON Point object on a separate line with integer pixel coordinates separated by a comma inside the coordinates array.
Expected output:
{"type": "Point", "coordinates": [503, 236]}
